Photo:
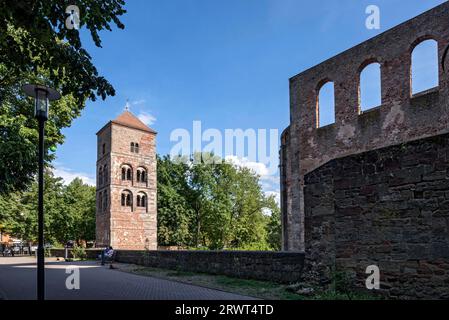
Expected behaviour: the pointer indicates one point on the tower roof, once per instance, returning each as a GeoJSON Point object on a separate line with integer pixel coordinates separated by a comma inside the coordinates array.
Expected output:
{"type": "Point", "coordinates": [127, 119]}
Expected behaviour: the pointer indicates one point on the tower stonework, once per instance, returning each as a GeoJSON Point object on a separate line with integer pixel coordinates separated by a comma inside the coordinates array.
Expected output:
{"type": "Point", "coordinates": [126, 212]}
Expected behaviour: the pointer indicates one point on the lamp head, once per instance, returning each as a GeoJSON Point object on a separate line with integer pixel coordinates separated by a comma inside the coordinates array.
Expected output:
{"type": "Point", "coordinates": [42, 95]}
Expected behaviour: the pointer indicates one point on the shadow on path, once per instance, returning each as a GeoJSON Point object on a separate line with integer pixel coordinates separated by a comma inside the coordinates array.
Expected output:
{"type": "Point", "coordinates": [18, 281]}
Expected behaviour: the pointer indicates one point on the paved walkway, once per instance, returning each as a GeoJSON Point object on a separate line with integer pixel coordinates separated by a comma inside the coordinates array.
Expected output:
{"type": "Point", "coordinates": [18, 281]}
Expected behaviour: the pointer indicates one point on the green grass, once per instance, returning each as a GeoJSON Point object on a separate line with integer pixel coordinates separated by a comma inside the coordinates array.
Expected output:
{"type": "Point", "coordinates": [253, 288]}
{"type": "Point", "coordinates": [180, 274]}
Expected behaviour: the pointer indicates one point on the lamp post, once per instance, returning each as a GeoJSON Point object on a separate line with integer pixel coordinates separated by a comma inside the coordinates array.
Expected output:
{"type": "Point", "coordinates": [42, 95]}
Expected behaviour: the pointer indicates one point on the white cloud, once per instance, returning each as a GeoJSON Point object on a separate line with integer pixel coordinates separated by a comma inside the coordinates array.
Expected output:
{"type": "Point", "coordinates": [68, 175]}
{"type": "Point", "coordinates": [269, 182]}
{"type": "Point", "coordinates": [258, 167]}
{"type": "Point", "coordinates": [276, 194]}
{"type": "Point", "coordinates": [146, 118]}
{"type": "Point", "coordinates": [138, 102]}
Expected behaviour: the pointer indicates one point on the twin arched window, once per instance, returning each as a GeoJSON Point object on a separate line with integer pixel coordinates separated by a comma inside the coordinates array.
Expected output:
{"type": "Point", "coordinates": [103, 201]}
{"type": "Point", "coordinates": [134, 147]}
{"type": "Point", "coordinates": [127, 173]}
{"type": "Point", "coordinates": [141, 175]}
{"type": "Point", "coordinates": [141, 200]}
{"type": "Point", "coordinates": [103, 175]}
{"type": "Point", "coordinates": [126, 199]}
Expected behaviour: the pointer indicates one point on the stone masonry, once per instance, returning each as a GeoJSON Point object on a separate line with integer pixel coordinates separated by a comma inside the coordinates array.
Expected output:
{"type": "Point", "coordinates": [282, 267]}
{"type": "Point", "coordinates": [387, 207]}
{"type": "Point", "coordinates": [126, 203]}
{"type": "Point", "coordinates": [402, 117]}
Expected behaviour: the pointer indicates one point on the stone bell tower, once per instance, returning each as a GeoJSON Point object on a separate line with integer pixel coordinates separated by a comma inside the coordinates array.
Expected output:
{"type": "Point", "coordinates": [126, 214]}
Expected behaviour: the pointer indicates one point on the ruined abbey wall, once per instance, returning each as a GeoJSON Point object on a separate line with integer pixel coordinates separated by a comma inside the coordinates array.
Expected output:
{"type": "Point", "coordinates": [402, 117]}
{"type": "Point", "coordinates": [388, 207]}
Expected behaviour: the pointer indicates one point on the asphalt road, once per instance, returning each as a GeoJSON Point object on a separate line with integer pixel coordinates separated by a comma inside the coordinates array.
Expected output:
{"type": "Point", "coordinates": [18, 281]}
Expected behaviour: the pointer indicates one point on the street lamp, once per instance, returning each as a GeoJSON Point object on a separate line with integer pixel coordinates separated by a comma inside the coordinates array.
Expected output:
{"type": "Point", "coordinates": [42, 95]}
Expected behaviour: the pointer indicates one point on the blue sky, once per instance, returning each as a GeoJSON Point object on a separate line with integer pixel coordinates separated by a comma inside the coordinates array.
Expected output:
{"type": "Point", "coordinates": [225, 63]}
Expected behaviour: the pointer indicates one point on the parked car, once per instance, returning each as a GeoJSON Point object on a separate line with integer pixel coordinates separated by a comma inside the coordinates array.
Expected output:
{"type": "Point", "coordinates": [7, 252]}
{"type": "Point", "coordinates": [16, 249]}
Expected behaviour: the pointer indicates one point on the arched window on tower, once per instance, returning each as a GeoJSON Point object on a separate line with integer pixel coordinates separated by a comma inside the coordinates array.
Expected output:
{"type": "Point", "coordinates": [105, 173]}
{"type": "Point", "coordinates": [123, 199]}
{"type": "Point", "coordinates": [141, 175]}
{"type": "Point", "coordinates": [136, 148]}
{"type": "Point", "coordinates": [132, 147]}
{"type": "Point", "coordinates": [129, 201]}
{"type": "Point", "coordinates": [126, 198]}
{"type": "Point", "coordinates": [126, 172]}
{"type": "Point", "coordinates": [100, 201]}
{"type": "Point", "coordinates": [100, 176]}
{"type": "Point", "coordinates": [105, 200]}
{"type": "Point", "coordinates": [141, 200]}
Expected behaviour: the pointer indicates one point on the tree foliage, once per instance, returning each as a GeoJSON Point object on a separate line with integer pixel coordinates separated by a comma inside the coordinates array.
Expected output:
{"type": "Point", "coordinates": [34, 37]}
{"type": "Point", "coordinates": [36, 47]}
{"type": "Point", "coordinates": [214, 206]}
{"type": "Point", "coordinates": [174, 211]}
{"type": "Point", "coordinates": [209, 206]}
{"type": "Point", "coordinates": [69, 211]}
{"type": "Point", "coordinates": [274, 226]}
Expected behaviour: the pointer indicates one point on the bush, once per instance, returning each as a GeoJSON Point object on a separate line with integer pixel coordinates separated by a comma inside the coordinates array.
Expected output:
{"type": "Point", "coordinates": [58, 245]}
{"type": "Point", "coordinates": [262, 246]}
{"type": "Point", "coordinates": [78, 252]}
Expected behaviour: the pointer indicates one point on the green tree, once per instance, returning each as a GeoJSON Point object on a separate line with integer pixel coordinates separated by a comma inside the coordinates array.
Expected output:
{"type": "Point", "coordinates": [36, 47]}
{"type": "Point", "coordinates": [11, 211]}
{"type": "Point", "coordinates": [174, 211]}
{"type": "Point", "coordinates": [211, 185]}
{"type": "Point", "coordinates": [77, 221]}
{"type": "Point", "coordinates": [21, 209]}
{"type": "Point", "coordinates": [274, 226]}
{"type": "Point", "coordinates": [248, 211]}
{"type": "Point", "coordinates": [215, 206]}
{"type": "Point", "coordinates": [69, 211]}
